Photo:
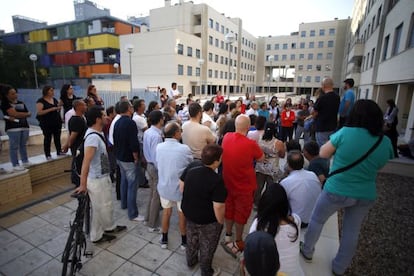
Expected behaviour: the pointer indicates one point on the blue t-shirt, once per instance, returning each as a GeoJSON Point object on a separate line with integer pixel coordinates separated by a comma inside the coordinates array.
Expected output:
{"type": "Point", "coordinates": [264, 113]}
{"type": "Point", "coordinates": [358, 182]}
{"type": "Point", "coordinates": [349, 96]}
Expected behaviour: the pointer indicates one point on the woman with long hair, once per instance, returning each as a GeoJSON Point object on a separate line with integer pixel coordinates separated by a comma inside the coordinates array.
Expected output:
{"type": "Point", "coordinates": [275, 217]}
{"type": "Point", "coordinates": [48, 114]}
{"type": "Point", "coordinates": [153, 105]}
{"type": "Point", "coordinates": [354, 188]}
{"type": "Point", "coordinates": [15, 115]}
{"type": "Point", "coordinates": [93, 98]}
{"type": "Point", "coordinates": [67, 97]}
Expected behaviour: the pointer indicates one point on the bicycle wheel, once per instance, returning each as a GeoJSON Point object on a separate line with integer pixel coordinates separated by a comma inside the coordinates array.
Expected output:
{"type": "Point", "coordinates": [69, 247]}
{"type": "Point", "coordinates": [87, 217]}
{"type": "Point", "coordinates": [80, 243]}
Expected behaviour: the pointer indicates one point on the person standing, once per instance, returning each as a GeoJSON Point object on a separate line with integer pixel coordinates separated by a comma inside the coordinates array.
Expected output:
{"type": "Point", "coordinates": [239, 155]}
{"type": "Point", "coordinates": [77, 129]}
{"type": "Point", "coordinates": [142, 125]}
{"type": "Point", "coordinates": [15, 114]}
{"type": "Point", "coordinates": [174, 93]}
{"type": "Point", "coordinates": [171, 158]}
{"type": "Point", "coordinates": [286, 120]}
{"type": "Point", "coordinates": [67, 97]}
{"type": "Point", "coordinates": [126, 147]}
{"type": "Point", "coordinates": [354, 189]}
{"type": "Point", "coordinates": [92, 97]}
{"type": "Point", "coordinates": [203, 200]}
{"type": "Point", "coordinates": [390, 124]}
{"type": "Point", "coordinates": [347, 102]}
{"type": "Point", "coordinates": [153, 137]}
{"type": "Point", "coordinates": [48, 114]}
{"type": "Point", "coordinates": [96, 181]}
{"type": "Point", "coordinates": [300, 120]}
{"type": "Point", "coordinates": [325, 112]}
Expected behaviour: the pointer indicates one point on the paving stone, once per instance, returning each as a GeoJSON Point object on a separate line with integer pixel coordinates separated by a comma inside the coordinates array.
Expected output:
{"type": "Point", "coordinates": [103, 264]}
{"type": "Point", "coordinates": [28, 226]}
{"type": "Point", "coordinates": [41, 207]}
{"type": "Point", "coordinates": [13, 249]}
{"type": "Point", "coordinates": [6, 237]}
{"type": "Point", "coordinates": [52, 268]}
{"type": "Point", "coordinates": [43, 234]}
{"type": "Point", "coordinates": [151, 256]}
{"type": "Point", "coordinates": [130, 269]}
{"type": "Point", "coordinates": [176, 265]}
{"type": "Point", "coordinates": [55, 246]}
{"type": "Point", "coordinates": [127, 246]}
{"type": "Point", "coordinates": [59, 216]}
{"type": "Point", "coordinates": [26, 263]}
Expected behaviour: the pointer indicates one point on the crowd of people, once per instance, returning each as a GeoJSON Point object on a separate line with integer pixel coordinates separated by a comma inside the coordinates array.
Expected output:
{"type": "Point", "coordinates": [217, 163]}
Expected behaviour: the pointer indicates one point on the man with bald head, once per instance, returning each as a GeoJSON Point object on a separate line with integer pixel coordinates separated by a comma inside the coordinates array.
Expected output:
{"type": "Point", "coordinates": [325, 112]}
{"type": "Point", "coordinates": [239, 155]}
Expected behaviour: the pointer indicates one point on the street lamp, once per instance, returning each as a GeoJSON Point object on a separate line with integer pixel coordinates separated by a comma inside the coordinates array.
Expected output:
{"type": "Point", "coordinates": [229, 38]}
{"type": "Point", "coordinates": [33, 58]}
{"type": "Point", "coordinates": [200, 63]}
{"type": "Point", "coordinates": [130, 48]}
{"type": "Point", "coordinates": [116, 66]}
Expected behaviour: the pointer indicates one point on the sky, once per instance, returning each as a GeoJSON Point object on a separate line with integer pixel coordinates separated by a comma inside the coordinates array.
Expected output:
{"type": "Point", "coordinates": [260, 17]}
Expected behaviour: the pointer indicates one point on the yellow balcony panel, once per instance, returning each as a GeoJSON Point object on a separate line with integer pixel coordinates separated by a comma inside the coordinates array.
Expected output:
{"type": "Point", "coordinates": [39, 35]}
{"type": "Point", "coordinates": [97, 42]}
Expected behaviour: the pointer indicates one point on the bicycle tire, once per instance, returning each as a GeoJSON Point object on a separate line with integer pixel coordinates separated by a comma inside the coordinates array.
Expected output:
{"type": "Point", "coordinates": [68, 249]}
{"type": "Point", "coordinates": [87, 217]}
{"type": "Point", "coordinates": [76, 256]}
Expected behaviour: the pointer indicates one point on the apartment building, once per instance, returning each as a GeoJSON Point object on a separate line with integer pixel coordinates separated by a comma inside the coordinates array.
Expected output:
{"type": "Point", "coordinates": [74, 51]}
{"type": "Point", "coordinates": [380, 55]}
{"type": "Point", "coordinates": [297, 63]}
{"type": "Point", "coordinates": [187, 44]}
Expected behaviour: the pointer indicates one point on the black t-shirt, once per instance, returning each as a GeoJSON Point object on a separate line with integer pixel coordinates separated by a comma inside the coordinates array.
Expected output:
{"type": "Point", "coordinates": [327, 106]}
{"type": "Point", "coordinates": [19, 107]}
{"type": "Point", "coordinates": [202, 186]}
{"type": "Point", "coordinates": [51, 119]}
{"type": "Point", "coordinates": [77, 124]}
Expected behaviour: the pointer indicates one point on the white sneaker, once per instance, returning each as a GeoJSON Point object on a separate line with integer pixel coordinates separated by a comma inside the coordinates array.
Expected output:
{"type": "Point", "coordinates": [164, 244]}
{"type": "Point", "coordinates": [139, 218]}
{"type": "Point", "coordinates": [183, 246]}
{"type": "Point", "coordinates": [27, 164]}
{"type": "Point", "coordinates": [154, 230]}
{"type": "Point", "coordinates": [18, 168]}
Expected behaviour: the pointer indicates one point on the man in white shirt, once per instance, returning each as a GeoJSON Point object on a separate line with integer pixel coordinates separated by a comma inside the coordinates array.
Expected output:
{"type": "Point", "coordinates": [253, 109]}
{"type": "Point", "coordinates": [302, 187]}
{"type": "Point", "coordinates": [173, 93]}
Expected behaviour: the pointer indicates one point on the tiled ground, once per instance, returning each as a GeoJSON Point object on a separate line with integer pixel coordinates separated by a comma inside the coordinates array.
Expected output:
{"type": "Point", "coordinates": [32, 241]}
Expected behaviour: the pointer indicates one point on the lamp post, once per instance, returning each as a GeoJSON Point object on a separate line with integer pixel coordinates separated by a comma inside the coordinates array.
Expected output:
{"type": "Point", "coordinates": [271, 58]}
{"type": "Point", "coordinates": [200, 63]}
{"type": "Point", "coordinates": [229, 38]}
{"type": "Point", "coordinates": [33, 58]}
{"type": "Point", "coordinates": [130, 49]}
{"type": "Point", "coordinates": [116, 66]}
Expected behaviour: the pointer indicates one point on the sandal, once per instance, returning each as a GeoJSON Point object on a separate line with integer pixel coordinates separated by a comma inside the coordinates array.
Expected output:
{"type": "Point", "coordinates": [231, 248]}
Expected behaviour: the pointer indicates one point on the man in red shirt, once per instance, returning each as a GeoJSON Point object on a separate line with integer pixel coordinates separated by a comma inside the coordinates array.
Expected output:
{"type": "Point", "coordinates": [219, 98]}
{"type": "Point", "coordinates": [239, 154]}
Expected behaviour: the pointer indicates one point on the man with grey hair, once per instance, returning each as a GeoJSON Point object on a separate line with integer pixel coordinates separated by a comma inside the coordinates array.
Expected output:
{"type": "Point", "coordinates": [325, 112]}
{"type": "Point", "coordinates": [253, 110]}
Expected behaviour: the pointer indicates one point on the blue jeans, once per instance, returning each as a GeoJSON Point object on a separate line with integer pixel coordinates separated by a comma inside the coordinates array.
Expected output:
{"type": "Point", "coordinates": [322, 137]}
{"type": "Point", "coordinates": [355, 211]}
{"type": "Point", "coordinates": [129, 187]}
{"type": "Point", "coordinates": [17, 142]}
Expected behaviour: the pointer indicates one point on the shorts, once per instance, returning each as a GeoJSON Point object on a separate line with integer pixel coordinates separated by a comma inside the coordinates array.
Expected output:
{"type": "Point", "coordinates": [239, 207]}
{"type": "Point", "coordinates": [166, 204]}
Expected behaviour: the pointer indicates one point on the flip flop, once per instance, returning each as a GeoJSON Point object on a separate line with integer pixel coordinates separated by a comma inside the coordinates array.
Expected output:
{"type": "Point", "coordinates": [231, 248]}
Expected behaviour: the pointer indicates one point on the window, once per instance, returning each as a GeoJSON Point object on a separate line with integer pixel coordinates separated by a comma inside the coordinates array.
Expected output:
{"type": "Point", "coordinates": [303, 34]}
{"type": "Point", "coordinates": [180, 49]}
{"type": "Point", "coordinates": [222, 44]}
{"type": "Point", "coordinates": [210, 23]}
{"type": "Point", "coordinates": [221, 59]}
{"type": "Point", "coordinates": [210, 40]}
{"type": "Point", "coordinates": [367, 62]}
{"type": "Point", "coordinates": [226, 61]}
{"type": "Point", "coordinates": [189, 70]}
{"type": "Point", "coordinates": [311, 45]}
{"type": "Point", "coordinates": [189, 51]}
{"type": "Point", "coordinates": [331, 31]}
{"type": "Point", "coordinates": [225, 75]}
{"type": "Point", "coordinates": [293, 45]}
{"type": "Point", "coordinates": [222, 29]}
{"type": "Point", "coordinates": [397, 39]}
{"type": "Point", "coordinates": [180, 70]}
{"type": "Point", "coordinates": [301, 56]}
{"type": "Point", "coordinates": [216, 74]}
{"type": "Point", "coordinates": [372, 58]}
{"type": "Point", "coordinates": [285, 46]}
{"type": "Point", "coordinates": [300, 67]}
{"type": "Point", "coordinates": [277, 46]}
{"type": "Point", "coordinates": [318, 67]}
{"type": "Point", "coordinates": [308, 78]}
{"type": "Point", "coordinates": [210, 57]}
{"type": "Point", "coordinates": [197, 71]}
{"type": "Point", "coordinates": [385, 51]}
{"type": "Point", "coordinates": [217, 27]}
{"type": "Point", "coordinates": [299, 78]}
{"type": "Point", "coordinates": [322, 32]}
{"type": "Point", "coordinates": [292, 57]}
{"type": "Point", "coordinates": [216, 58]}
{"type": "Point", "coordinates": [312, 33]}
{"type": "Point", "coordinates": [317, 79]}
{"type": "Point", "coordinates": [268, 47]}
{"type": "Point", "coordinates": [379, 15]}
{"type": "Point", "coordinates": [320, 44]}
{"type": "Point", "coordinates": [198, 53]}
{"type": "Point", "coordinates": [302, 45]}
{"type": "Point", "coordinates": [410, 39]}
{"type": "Point", "coordinates": [217, 43]}
{"type": "Point", "coordinates": [210, 73]}
{"type": "Point", "coordinates": [319, 56]}
{"type": "Point", "coordinates": [310, 56]}
{"type": "Point", "coordinates": [284, 57]}
{"type": "Point", "coordinates": [329, 56]}
{"type": "Point", "coordinates": [276, 57]}
{"type": "Point", "coordinates": [221, 74]}
{"type": "Point", "coordinates": [373, 24]}
{"type": "Point", "coordinates": [330, 43]}
{"type": "Point", "coordinates": [309, 67]}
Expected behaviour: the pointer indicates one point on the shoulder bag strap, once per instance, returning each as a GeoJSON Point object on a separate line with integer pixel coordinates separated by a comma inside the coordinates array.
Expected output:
{"type": "Point", "coordinates": [359, 160]}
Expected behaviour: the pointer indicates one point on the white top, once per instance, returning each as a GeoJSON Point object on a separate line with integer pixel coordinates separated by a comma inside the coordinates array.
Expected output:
{"type": "Point", "coordinates": [111, 129]}
{"type": "Point", "coordinates": [207, 118]}
{"type": "Point", "coordinates": [173, 93]}
{"type": "Point", "coordinates": [255, 135]}
{"type": "Point", "coordinates": [288, 250]}
{"type": "Point", "coordinates": [141, 123]}
{"type": "Point", "coordinates": [302, 188]}
{"type": "Point", "coordinates": [69, 115]}
{"type": "Point", "coordinates": [252, 111]}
